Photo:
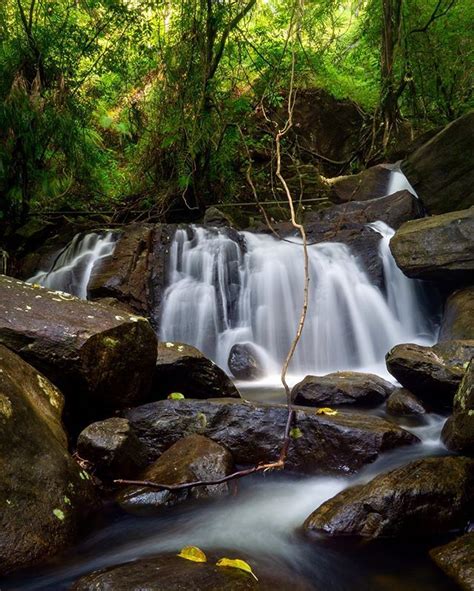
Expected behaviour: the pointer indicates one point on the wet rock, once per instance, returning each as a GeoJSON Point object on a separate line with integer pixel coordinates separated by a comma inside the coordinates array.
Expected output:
{"type": "Point", "coordinates": [403, 403]}
{"type": "Point", "coordinates": [169, 572]}
{"type": "Point", "coordinates": [217, 219]}
{"type": "Point", "coordinates": [44, 495]}
{"type": "Point", "coordinates": [368, 184]}
{"type": "Point", "coordinates": [111, 448]}
{"type": "Point", "coordinates": [458, 317]}
{"type": "Point", "coordinates": [190, 459]}
{"type": "Point", "coordinates": [438, 248]}
{"type": "Point", "coordinates": [458, 431]}
{"type": "Point", "coordinates": [101, 359]}
{"type": "Point", "coordinates": [431, 373]}
{"type": "Point", "coordinates": [244, 362]}
{"type": "Point", "coordinates": [456, 559]}
{"type": "Point", "coordinates": [184, 369]}
{"type": "Point", "coordinates": [426, 497]}
{"type": "Point", "coordinates": [342, 387]}
{"type": "Point", "coordinates": [253, 433]}
{"type": "Point", "coordinates": [441, 171]}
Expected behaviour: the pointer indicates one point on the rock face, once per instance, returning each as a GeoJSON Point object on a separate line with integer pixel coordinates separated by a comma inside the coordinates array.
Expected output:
{"type": "Point", "coordinates": [188, 460]}
{"type": "Point", "coordinates": [403, 403]}
{"type": "Point", "coordinates": [342, 387]}
{"type": "Point", "coordinates": [112, 448]}
{"type": "Point", "coordinates": [425, 497]}
{"type": "Point", "coordinates": [101, 360]}
{"type": "Point", "coordinates": [431, 373]}
{"type": "Point", "coordinates": [217, 219]}
{"type": "Point", "coordinates": [184, 369]}
{"type": "Point", "coordinates": [457, 560]}
{"type": "Point", "coordinates": [438, 248]}
{"type": "Point", "coordinates": [43, 493]}
{"type": "Point", "coordinates": [244, 363]}
{"type": "Point", "coordinates": [253, 433]}
{"type": "Point", "coordinates": [368, 184]}
{"type": "Point", "coordinates": [441, 171]}
{"type": "Point", "coordinates": [136, 272]}
{"type": "Point", "coordinates": [171, 573]}
{"type": "Point", "coordinates": [458, 431]}
{"type": "Point", "coordinates": [458, 317]}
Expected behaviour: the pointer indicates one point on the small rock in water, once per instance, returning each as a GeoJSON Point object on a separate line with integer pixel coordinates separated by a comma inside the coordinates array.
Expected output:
{"type": "Point", "coordinates": [244, 362]}
{"type": "Point", "coordinates": [403, 403]}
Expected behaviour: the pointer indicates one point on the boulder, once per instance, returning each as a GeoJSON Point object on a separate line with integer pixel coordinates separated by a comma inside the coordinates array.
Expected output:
{"type": "Point", "coordinates": [438, 248]}
{"type": "Point", "coordinates": [184, 369]}
{"type": "Point", "coordinates": [101, 360]}
{"type": "Point", "coordinates": [458, 317]}
{"type": "Point", "coordinates": [190, 459]}
{"type": "Point", "coordinates": [441, 170]}
{"type": "Point", "coordinates": [169, 572]}
{"type": "Point", "coordinates": [244, 362]}
{"type": "Point", "coordinates": [431, 373]}
{"type": "Point", "coordinates": [458, 431]}
{"type": "Point", "coordinates": [368, 184]}
{"type": "Point", "coordinates": [403, 403]}
{"type": "Point", "coordinates": [426, 497]}
{"type": "Point", "coordinates": [253, 433]}
{"type": "Point", "coordinates": [44, 494]}
{"type": "Point", "coordinates": [111, 448]}
{"type": "Point", "coordinates": [456, 559]}
{"type": "Point", "coordinates": [217, 219]}
{"type": "Point", "coordinates": [342, 387]}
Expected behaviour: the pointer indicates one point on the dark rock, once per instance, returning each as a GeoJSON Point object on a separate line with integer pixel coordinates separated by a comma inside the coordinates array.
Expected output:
{"type": "Point", "coordinates": [458, 317]}
{"type": "Point", "coordinates": [441, 170]}
{"type": "Point", "coordinates": [253, 433]}
{"type": "Point", "coordinates": [368, 184]}
{"type": "Point", "coordinates": [439, 248]}
{"type": "Point", "coordinates": [169, 572]}
{"type": "Point", "coordinates": [342, 387]}
{"type": "Point", "coordinates": [112, 448]}
{"type": "Point", "coordinates": [190, 459]}
{"type": "Point", "coordinates": [458, 431]}
{"type": "Point", "coordinates": [217, 219]}
{"type": "Point", "coordinates": [403, 403]}
{"type": "Point", "coordinates": [184, 369]}
{"type": "Point", "coordinates": [426, 497]}
{"type": "Point", "coordinates": [456, 559]}
{"type": "Point", "coordinates": [44, 495]}
{"type": "Point", "coordinates": [244, 362]}
{"type": "Point", "coordinates": [101, 360]}
{"type": "Point", "coordinates": [431, 373]}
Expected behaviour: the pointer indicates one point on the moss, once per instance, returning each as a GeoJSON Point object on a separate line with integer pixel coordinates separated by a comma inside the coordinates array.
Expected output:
{"type": "Point", "coordinates": [6, 408]}
{"type": "Point", "coordinates": [110, 342]}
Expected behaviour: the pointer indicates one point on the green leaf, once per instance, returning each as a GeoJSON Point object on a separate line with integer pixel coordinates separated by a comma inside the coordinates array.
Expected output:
{"type": "Point", "coordinates": [176, 396]}
{"type": "Point", "coordinates": [296, 433]}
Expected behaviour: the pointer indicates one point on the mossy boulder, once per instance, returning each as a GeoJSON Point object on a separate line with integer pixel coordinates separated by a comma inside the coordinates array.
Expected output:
{"type": "Point", "coordinates": [368, 184]}
{"type": "Point", "coordinates": [44, 494]}
{"type": "Point", "coordinates": [458, 317]}
{"type": "Point", "coordinates": [456, 559]}
{"type": "Point", "coordinates": [458, 431]}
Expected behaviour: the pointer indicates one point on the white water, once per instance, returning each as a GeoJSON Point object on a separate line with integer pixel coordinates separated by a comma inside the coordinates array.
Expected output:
{"type": "Point", "coordinates": [399, 182]}
{"type": "Point", "coordinates": [220, 294]}
{"type": "Point", "coordinates": [72, 269]}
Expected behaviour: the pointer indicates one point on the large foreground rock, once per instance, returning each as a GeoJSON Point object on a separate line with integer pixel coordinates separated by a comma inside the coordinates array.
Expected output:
{"type": "Point", "coordinates": [44, 495]}
{"type": "Point", "coordinates": [253, 433]}
{"type": "Point", "coordinates": [426, 497]}
{"type": "Point", "coordinates": [438, 248]}
{"type": "Point", "coordinates": [184, 369]}
{"type": "Point", "coordinates": [458, 317]}
{"type": "Point", "coordinates": [457, 560]}
{"type": "Point", "coordinates": [431, 373]}
{"type": "Point", "coordinates": [190, 459]}
{"type": "Point", "coordinates": [101, 359]}
{"type": "Point", "coordinates": [458, 431]}
{"type": "Point", "coordinates": [441, 170]}
{"type": "Point", "coordinates": [342, 387]}
{"type": "Point", "coordinates": [172, 573]}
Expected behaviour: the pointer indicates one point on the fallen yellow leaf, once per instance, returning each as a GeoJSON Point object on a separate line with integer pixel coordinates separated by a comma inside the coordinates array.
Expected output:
{"type": "Point", "coordinates": [193, 553]}
{"type": "Point", "coordinates": [237, 563]}
{"type": "Point", "coordinates": [326, 411]}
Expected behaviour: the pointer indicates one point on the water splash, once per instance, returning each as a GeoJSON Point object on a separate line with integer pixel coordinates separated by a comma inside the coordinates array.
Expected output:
{"type": "Point", "coordinates": [72, 269]}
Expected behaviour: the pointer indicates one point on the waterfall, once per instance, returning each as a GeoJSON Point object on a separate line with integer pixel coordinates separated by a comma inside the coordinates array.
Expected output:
{"type": "Point", "coordinates": [399, 182]}
{"type": "Point", "coordinates": [72, 269]}
{"type": "Point", "coordinates": [222, 292]}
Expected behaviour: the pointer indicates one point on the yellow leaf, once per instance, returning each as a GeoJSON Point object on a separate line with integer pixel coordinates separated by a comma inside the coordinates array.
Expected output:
{"type": "Point", "coordinates": [193, 553]}
{"type": "Point", "coordinates": [237, 563]}
{"type": "Point", "coordinates": [326, 411]}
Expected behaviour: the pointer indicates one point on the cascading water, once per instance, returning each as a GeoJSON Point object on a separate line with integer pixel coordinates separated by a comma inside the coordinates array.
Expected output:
{"type": "Point", "coordinates": [72, 269]}
{"type": "Point", "coordinates": [222, 292]}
